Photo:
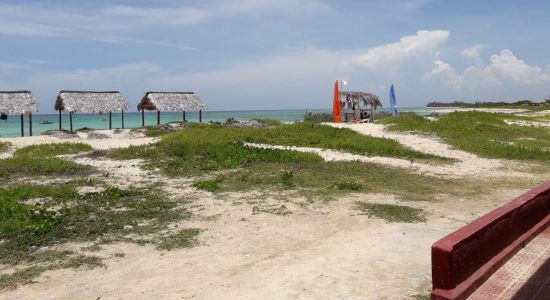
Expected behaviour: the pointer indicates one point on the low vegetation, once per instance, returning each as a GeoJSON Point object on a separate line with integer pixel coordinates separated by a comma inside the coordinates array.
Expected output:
{"type": "Point", "coordinates": [207, 185]}
{"type": "Point", "coordinates": [319, 118]}
{"type": "Point", "coordinates": [485, 134]}
{"type": "Point", "coordinates": [391, 212]}
{"type": "Point", "coordinates": [35, 217]}
{"type": "Point", "coordinates": [4, 146]}
{"type": "Point", "coordinates": [268, 122]}
{"type": "Point", "coordinates": [213, 147]}
{"type": "Point", "coordinates": [185, 238]}
{"type": "Point", "coordinates": [59, 260]}
{"type": "Point", "coordinates": [42, 160]}
{"type": "Point", "coordinates": [522, 104]}
{"type": "Point", "coordinates": [328, 180]}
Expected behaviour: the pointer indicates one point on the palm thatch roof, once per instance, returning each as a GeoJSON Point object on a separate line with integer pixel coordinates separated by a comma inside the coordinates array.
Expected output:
{"type": "Point", "coordinates": [91, 102]}
{"type": "Point", "coordinates": [171, 101]}
{"type": "Point", "coordinates": [17, 102]}
{"type": "Point", "coordinates": [366, 98]}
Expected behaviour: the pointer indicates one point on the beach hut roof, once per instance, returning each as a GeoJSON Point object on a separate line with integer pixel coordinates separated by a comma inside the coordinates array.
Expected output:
{"type": "Point", "coordinates": [91, 102]}
{"type": "Point", "coordinates": [17, 102]}
{"type": "Point", "coordinates": [365, 97]}
{"type": "Point", "coordinates": [171, 101]}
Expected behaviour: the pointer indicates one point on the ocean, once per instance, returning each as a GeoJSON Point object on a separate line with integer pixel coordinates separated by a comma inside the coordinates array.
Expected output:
{"type": "Point", "coordinates": [12, 126]}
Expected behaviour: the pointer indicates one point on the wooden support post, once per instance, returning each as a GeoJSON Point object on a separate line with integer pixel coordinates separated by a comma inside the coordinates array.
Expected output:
{"type": "Point", "coordinates": [60, 125]}
{"type": "Point", "coordinates": [371, 113]}
{"type": "Point", "coordinates": [158, 117]}
{"type": "Point", "coordinates": [110, 120]}
{"type": "Point", "coordinates": [200, 116]}
{"type": "Point", "coordinates": [30, 124]}
{"type": "Point", "coordinates": [71, 120]}
{"type": "Point", "coordinates": [22, 126]}
{"type": "Point", "coordinates": [122, 118]}
{"type": "Point", "coordinates": [184, 116]}
{"type": "Point", "coordinates": [143, 117]}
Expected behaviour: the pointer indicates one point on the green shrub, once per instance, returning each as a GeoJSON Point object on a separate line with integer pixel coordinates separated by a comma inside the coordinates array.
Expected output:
{"type": "Point", "coordinates": [351, 186]}
{"type": "Point", "coordinates": [318, 118]}
{"type": "Point", "coordinates": [268, 122]}
{"type": "Point", "coordinates": [392, 212]}
{"type": "Point", "coordinates": [4, 146]}
{"type": "Point", "coordinates": [207, 185]}
{"type": "Point", "coordinates": [287, 178]}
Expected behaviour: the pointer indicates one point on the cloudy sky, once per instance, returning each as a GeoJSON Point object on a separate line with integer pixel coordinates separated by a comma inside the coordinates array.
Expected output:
{"type": "Point", "coordinates": [278, 54]}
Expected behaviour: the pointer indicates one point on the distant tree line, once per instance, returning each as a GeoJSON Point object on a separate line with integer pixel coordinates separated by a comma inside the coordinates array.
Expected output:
{"type": "Point", "coordinates": [486, 104]}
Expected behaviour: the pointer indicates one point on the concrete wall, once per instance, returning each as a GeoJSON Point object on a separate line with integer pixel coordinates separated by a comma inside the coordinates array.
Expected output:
{"type": "Point", "coordinates": [464, 259]}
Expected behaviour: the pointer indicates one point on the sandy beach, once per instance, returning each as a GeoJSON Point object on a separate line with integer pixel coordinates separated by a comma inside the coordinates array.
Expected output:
{"type": "Point", "coordinates": [322, 250]}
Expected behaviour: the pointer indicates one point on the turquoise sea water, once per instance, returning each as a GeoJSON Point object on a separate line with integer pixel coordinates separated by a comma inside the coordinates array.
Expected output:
{"type": "Point", "coordinates": [12, 126]}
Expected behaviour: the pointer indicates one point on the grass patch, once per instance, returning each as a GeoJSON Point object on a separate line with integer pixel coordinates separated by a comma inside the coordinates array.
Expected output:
{"type": "Point", "coordinates": [485, 134]}
{"type": "Point", "coordinates": [318, 118]}
{"type": "Point", "coordinates": [41, 160]}
{"type": "Point", "coordinates": [4, 146]}
{"type": "Point", "coordinates": [287, 178]}
{"type": "Point", "coordinates": [207, 185]}
{"type": "Point", "coordinates": [328, 180]}
{"type": "Point", "coordinates": [184, 238]}
{"type": "Point", "coordinates": [351, 186]}
{"type": "Point", "coordinates": [155, 131]}
{"type": "Point", "coordinates": [67, 216]}
{"type": "Point", "coordinates": [391, 212]}
{"type": "Point", "coordinates": [268, 122]}
{"type": "Point", "coordinates": [422, 296]}
{"type": "Point", "coordinates": [37, 216]}
{"type": "Point", "coordinates": [51, 150]}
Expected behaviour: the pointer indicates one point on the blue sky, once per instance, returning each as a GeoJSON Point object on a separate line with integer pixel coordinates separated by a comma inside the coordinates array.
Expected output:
{"type": "Point", "coordinates": [278, 54]}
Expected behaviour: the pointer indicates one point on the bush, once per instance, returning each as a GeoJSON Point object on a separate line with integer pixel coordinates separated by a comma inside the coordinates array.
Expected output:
{"type": "Point", "coordinates": [318, 118]}
{"type": "Point", "coordinates": [287, 178]}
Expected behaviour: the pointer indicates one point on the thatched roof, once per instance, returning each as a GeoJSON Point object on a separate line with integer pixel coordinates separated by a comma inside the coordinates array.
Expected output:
{"type": "Point", "coordinates": [91, 102]}
{"type": "Point", "coordinates": [172, 101]}
{"type": "Point", "coordinates": [17, 102]}
{"type": "Point", "coordinates": [360, 96]}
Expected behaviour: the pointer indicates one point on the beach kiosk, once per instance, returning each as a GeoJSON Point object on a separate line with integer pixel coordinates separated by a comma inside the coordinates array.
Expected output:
{"type": "Point", "coordinates": [357, 107]}
{"type": "Point", "coordinates": [171, 101]}
{"type": "Point", "coordinates": [18, 103]}
{"type": "Point", "coordinates": [90, 102]}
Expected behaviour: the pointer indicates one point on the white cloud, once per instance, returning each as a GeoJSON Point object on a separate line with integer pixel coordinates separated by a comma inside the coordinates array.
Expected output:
{"type": "Point", "coordinates": [508, 67]}
{"type": "Point", "coordinates": [473, 53]}
{"type": "Point", "coordinates": [446, 73]}
{"type": "Point", "coordinates": [425, 42]}
{"type": "Point", "coordinates": [504, 69]}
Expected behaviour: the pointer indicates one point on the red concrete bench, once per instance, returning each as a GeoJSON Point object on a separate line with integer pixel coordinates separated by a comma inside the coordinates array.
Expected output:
{"type": "Point", "coordinates": [464, 259]}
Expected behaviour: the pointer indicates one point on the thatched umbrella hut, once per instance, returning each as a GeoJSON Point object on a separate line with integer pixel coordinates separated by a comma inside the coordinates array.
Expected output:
{"type": "Point", "coordinates": [171, 101]}
{"type": "Point", "coordinates": [18, 103]}
{"type": "Point", "coordinates": [91, 102]}
{"type": "Point", "coordinates": [358, 101]}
